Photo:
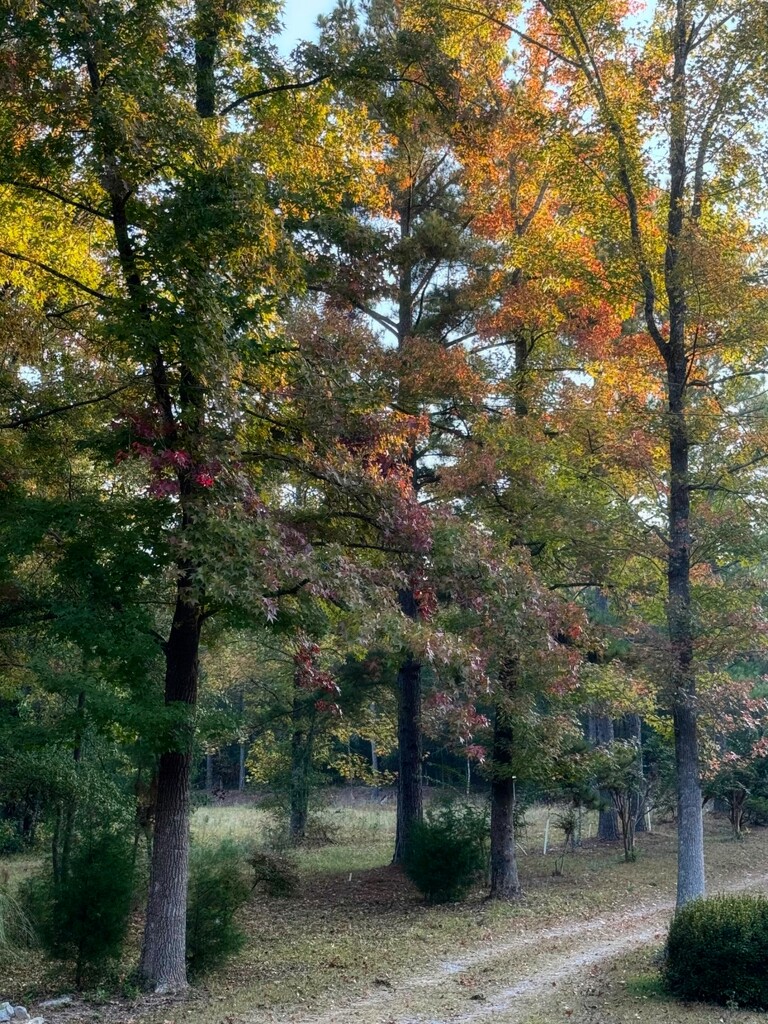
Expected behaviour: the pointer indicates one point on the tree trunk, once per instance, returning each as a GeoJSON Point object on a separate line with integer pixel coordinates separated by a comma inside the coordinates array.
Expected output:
{"type": "Point", "coordinates": [409, 794]}
{"type": "Point", "coordinates": [64, 840]}
{"type": "Point", "coordinates": [410, 807]}
{"type": "Point", "coordinates": [241, 770]}
{"type": "Point", "coordinates": [608, 825]}
{"type": "Point", "coordinates": [301, 757]}
{"type": "Point", "coordinates": [590, 731]}
{"type": "Point", "coordinates": [635, 733]}
{"type": "Point", "coordinates": [690, 821]}
{"type": "Point", "coordinates": [163, 964]}
{"type": "Point", "coordinates": [209, 772]}
{"type": "Point", "coordinates": [737, 797]}
{"type": "Point", "coordinates": [505, 881]}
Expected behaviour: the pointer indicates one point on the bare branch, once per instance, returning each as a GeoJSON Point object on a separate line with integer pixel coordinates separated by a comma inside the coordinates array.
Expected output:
{"type": "Point", "coordinates": [271, 91]}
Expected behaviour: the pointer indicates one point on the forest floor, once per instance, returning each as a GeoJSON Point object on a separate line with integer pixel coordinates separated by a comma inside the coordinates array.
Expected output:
{"type": "Point", "coordinates": [355, 944]}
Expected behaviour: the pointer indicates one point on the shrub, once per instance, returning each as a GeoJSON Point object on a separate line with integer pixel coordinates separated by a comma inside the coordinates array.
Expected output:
{"type": "Point", "coordinates": [11, 838]}
{"type": "Point", "coordinates": [448, 852]}
{"type": "Point", "coordinates": [756, 811]}
{"type": "Point", "coordinates": [83, 917]}
{"type": "Point", "coordinates": [218, 888]}
{"type": "Point", "coordinates": [15, 927]}
{"type": "Point", "coordinates": [717, 951]}
{"type": "Point", "coordinates": [276, 875]}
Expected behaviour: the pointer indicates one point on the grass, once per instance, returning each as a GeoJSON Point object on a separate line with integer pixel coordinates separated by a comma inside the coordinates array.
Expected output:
{"type": "Point", "coordinates": [630, 989]}
{"type": "Point", "coordinates": [355, 925]}
{"type": "Point", "coordinates": [363, 835]}
{"type": "Point", "coordinates": [351, 927]}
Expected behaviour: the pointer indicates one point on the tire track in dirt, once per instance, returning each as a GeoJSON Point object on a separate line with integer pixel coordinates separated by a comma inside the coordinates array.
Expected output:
{"type": "Point", "coordinates": [548, 966]}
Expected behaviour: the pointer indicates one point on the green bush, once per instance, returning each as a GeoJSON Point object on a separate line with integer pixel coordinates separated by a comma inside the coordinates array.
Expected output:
{"type": "Point", "coordinates": [82, 918]}
{"type": "Point", "coordinates": [218, 888]}
{"type": "Point", "coordinates": [11, 838]}
{"type": "Point", "coordinates": [717, 951]}
{"type": "Point", "coordinates": [448, 851]}
{"type": "Point", "coordinates": [756, 811]}
{"type": "Point", "coordinates": [275, 874]}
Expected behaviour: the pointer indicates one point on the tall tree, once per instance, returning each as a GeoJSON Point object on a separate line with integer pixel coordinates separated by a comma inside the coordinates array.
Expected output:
{"type": "Point", "coordinates": [699, 82]}
{"type": "Point", "coordinates": [166, 141]}
{"type": "Point", "coordinates": [409, 266]}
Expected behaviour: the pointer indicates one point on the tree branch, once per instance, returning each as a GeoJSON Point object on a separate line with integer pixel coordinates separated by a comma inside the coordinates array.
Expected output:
{"type": "Point", "coordinates": [23, 421]}
{"type": "Point", "coordinates": [34, 187]}
{"type": "Point", "coordinates": [56, 273]}
{"type": "Point", "coordinates": [272, 90]}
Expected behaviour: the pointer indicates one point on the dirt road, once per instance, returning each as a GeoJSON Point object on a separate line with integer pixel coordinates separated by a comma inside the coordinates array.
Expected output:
{"type": "Point", "coordinates": [533, 975]}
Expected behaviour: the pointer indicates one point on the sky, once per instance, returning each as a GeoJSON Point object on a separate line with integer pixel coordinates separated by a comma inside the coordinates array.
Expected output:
{"type": "Point", "coordinates": [299, 18]}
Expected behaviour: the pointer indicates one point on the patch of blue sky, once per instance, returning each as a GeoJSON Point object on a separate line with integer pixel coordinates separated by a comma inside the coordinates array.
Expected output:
{"type": "Point", "coordinates": [299, 20]}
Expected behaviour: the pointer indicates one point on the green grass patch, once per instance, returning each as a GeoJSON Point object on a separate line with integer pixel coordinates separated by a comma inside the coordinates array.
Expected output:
{"type": "Point", "coordinates": [649, 985]}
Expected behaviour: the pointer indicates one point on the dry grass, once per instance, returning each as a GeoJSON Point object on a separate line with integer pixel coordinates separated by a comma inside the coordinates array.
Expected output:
{"type": "Point", "coordinates": [628, 989]}
{"type": "Point", "coordinates": [356, 925]}
{"type": "Point", "coordinates": [346, 933]}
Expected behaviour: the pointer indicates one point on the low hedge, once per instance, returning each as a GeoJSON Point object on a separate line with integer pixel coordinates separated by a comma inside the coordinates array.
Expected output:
{"type": "Point", "coordinates": [717, 951]}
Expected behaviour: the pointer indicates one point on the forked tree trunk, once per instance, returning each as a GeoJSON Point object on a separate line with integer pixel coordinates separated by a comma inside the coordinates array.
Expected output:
{"type": "Point", "coordinates": [505, 881]}
{"type": "Point", "coordinates": [162, 967]}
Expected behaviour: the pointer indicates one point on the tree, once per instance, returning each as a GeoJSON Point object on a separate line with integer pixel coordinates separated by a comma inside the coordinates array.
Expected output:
{"type": "Point", "coordinates": [409, 266]}
{"type": "Point", "coordinates": [697, 81]}
{"type": "Point", "coordinates": [735, 746]}
{"type": "Point", "coordinates": [529, 332]}
{"type": "Point", "coordinates": [175, 167]}
{"type": "Point", "coordinates": [616, 770]}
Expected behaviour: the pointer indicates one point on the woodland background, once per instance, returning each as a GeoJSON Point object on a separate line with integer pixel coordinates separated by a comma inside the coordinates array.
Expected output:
{"type": "Point", "coordinates": [389, 412]}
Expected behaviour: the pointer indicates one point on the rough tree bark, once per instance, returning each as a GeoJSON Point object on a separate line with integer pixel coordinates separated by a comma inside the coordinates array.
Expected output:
{"type": "Point", "coordinates": [505, 880]}
{"type": "Point", "coordinates": [163, 965]}
{"type": "Point", "coordinates": [410, 807]}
